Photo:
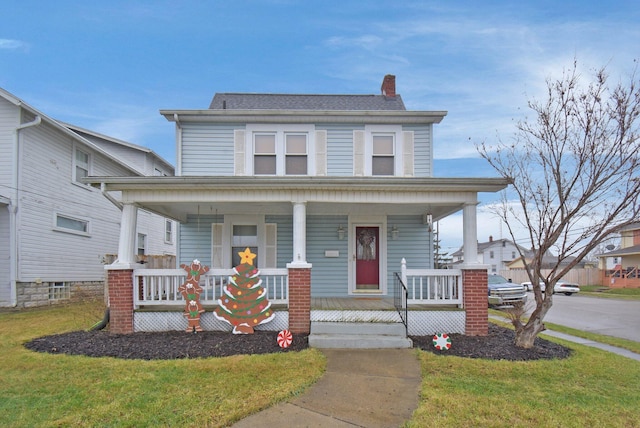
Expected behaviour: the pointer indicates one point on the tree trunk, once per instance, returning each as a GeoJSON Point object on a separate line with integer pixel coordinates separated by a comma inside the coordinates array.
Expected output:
{"type": "Point", "coordinates": [528, 333]}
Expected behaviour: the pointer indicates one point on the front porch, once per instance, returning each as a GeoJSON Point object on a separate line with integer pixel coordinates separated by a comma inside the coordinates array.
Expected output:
{"type": "Point", "coordinates": [433, 301]}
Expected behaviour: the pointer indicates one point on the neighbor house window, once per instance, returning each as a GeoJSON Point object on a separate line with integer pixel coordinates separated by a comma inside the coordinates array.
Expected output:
{"type": "Point", "coordinates": [264, 152]}
{"type": "Point", "coordinates": [142, 244]}
{"type": "Point", "coordinates": [65, 223]}
{"type": "Point", "coordinates": [81, 165]}
{"type": "Point", "coordinates": [168, 231]}
{"type": "Point", "coordinates": [490, 254]}
{"type": "Point", "coordinates": [513, 254]}
{"type": "Point", "coordinates": [383, 160]}
{"type": "Point", "coordinates": [244, 236]}
{"type": "Point", "coordinates": [59, 291]}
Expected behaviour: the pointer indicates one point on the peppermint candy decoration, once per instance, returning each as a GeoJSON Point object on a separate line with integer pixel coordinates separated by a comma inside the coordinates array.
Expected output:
{"type": "Point", "coordinates": [284, 339]}
{"type": "Point", "coordinates": [442, 341]}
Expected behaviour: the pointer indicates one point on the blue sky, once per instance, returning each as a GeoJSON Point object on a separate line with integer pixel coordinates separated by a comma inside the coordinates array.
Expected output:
{"type": "Point", "coordinates": [110, 66]}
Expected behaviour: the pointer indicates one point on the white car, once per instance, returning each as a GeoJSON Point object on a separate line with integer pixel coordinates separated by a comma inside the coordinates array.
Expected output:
{"type": "Point", "coordinates": [562, 286]}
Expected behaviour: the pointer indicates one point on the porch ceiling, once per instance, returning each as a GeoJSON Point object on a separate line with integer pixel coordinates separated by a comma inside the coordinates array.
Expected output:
{"type": "Point", "coordinates": [177, 197]}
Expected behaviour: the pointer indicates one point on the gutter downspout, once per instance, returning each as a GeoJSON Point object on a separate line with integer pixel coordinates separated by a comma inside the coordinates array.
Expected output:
{"type": "Point", "coordinates": [111, 199]}
{"type": "Point", "coordinates": [178, 144]}
{"type": "Point", "coordinates": [13, 209]}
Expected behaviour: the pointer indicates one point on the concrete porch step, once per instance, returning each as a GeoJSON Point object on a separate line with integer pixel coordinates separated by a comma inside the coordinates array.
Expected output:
{"type": "Point", "coordinates": [350, 335]}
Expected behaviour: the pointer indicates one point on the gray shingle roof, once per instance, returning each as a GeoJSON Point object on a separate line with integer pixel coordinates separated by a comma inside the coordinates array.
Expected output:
{"type": "Point", "coordinates": [239, 101]}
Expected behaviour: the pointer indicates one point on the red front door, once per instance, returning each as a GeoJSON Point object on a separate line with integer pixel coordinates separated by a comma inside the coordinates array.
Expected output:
{"type": "Point", "coordinates": [367, 258]}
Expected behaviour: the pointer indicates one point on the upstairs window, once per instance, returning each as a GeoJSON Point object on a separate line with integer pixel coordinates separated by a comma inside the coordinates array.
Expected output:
{"type": "Point", "coordinates": [264, 154]}
{"type": "Point", "coordinates": [296, 154]}
{"type": "Point", "coordinates": [278, 150]}
{"type": "Point", "coordinates": [383, 160]}
{"type": "Point", "coordinates": [81, 165]}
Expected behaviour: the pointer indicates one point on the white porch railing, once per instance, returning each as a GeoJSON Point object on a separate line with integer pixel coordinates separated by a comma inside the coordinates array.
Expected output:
{"type": "Point", "coordinates": [160, 286]}
{"type": "Point", "coordinates": [432, 286]}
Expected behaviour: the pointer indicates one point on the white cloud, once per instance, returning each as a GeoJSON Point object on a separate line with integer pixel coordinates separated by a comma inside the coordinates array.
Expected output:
{"type": "Point", "coordinates": [9, 44]}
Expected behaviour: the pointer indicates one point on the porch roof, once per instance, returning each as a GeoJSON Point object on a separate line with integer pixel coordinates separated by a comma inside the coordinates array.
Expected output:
{"type": "Point", "coordinates": [176, 197]}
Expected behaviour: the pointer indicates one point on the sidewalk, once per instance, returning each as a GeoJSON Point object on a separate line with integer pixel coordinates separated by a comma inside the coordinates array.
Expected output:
{"type": "Point", "coordinates": [361, 388]}
{"type": "Point", "coordinates": [586, 342]}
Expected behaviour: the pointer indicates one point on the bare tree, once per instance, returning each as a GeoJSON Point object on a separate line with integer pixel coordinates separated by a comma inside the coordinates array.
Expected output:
{"type": "Point", "coordinates": [575, 171]}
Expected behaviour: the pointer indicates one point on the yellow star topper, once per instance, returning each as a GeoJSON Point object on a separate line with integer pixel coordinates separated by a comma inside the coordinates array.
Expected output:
{"type": "Point", "coordinates": [246, 256]}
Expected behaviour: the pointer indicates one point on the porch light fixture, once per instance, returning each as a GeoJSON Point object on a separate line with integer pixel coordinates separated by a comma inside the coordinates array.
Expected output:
{"type": "Point", "coordinates": [340, 232]}
{"type": "Point", "coordinates": [428, 220]}
{"type": "Point", "coordinates": [394, 233]}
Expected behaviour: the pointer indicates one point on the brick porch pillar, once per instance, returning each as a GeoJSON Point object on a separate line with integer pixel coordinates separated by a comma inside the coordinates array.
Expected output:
{"type": "Point", "coordinates": [120, 284]}
{"type": "Point", "coordinates": [474, 292]}
{"type": "Point", "coordinates": [300, 300]}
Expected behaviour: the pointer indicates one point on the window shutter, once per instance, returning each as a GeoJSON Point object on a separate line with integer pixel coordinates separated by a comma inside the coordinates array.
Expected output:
{"type": "Point", "coordinates": [217, 253]}
{"type": "Point", "coordinates": [321, 152]}
{"type": "Point", "coordinates": [358, 153]}
{"type": "Point", "coordinates": [407, 153]}
{"type": "Point", "coordinates": [239, 151]}
{"type": "Point", "coordinates": [271, 245]}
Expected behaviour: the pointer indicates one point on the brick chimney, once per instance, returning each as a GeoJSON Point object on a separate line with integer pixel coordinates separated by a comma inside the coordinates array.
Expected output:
{"type": "Point", "coordinates": [389, 85]}
{"type": "Point", "coordinates": [490, 238]}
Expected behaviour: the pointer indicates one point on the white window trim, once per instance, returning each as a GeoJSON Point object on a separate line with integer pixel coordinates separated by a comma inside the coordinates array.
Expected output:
{"type": "Point", "coordinates": [280, 131]}
{"type": "Point", "coordinates": [71, 231]}
{"type": "Point", "coordinates": [170, 240]}
{"type": "Point", "coordinates": [396, 131]}
{"type": "Point", "coordinates": [227, 232]}
{"type": "Point", "coordinates": [77, 147]}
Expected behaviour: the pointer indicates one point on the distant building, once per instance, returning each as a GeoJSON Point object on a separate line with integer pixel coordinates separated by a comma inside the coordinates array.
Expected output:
{"type": "Point", "coordinates": [497, 254]}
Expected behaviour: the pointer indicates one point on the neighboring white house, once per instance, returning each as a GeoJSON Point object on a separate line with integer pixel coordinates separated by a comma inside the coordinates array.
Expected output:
{"type": "Point", "coordinates": [55, 230]}
{"type": "Point", "coordinates": [496, 254]}
{"type": "Point", "coordinates": [332, 192]}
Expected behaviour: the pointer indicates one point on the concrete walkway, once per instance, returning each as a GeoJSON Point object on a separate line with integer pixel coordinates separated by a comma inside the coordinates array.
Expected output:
{"type": "Point", "coordinates": [360, 388]}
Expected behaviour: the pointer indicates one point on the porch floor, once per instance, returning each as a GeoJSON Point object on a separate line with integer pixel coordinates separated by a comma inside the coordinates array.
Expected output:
{"type": "Point", "coordinates": [366, 304]}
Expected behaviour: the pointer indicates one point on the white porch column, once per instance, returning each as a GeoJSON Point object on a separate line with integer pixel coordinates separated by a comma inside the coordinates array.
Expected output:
{"type": "Point", "coordinates": [299, 235]}
{"type": "Point", "coordinates": [127, 244]}
{"type": "Point", "coordinates": [470, 235]}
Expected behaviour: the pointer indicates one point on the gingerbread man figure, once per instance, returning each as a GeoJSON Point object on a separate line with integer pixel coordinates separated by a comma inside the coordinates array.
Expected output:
{"type": "Point", "coordinates": [191, 291]}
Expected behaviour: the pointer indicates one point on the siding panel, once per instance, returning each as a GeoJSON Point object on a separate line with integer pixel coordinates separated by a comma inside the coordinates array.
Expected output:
{"type": "Point", "coordinates": [207, 149]}
{"type": "Point", "coordinates": [329, 275]}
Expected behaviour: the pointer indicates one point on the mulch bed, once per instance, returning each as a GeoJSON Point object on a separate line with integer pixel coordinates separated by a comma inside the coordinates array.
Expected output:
{"type": "Point", "coordinates": [498, 345]}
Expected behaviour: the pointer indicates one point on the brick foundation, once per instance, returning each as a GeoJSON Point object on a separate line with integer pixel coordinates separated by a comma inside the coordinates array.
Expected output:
{"type": "Point", "coordinates": [120, 301]}
{"type": "Point", "coordinates": [474, 285]}
{"type": "Point", "coordinates": [300, 300]}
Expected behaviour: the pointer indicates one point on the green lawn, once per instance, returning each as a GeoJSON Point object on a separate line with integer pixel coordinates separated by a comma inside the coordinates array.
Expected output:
{"type": "Point", "coordinates": [591, 388]}
{"type": "Point", "coordinates": [615, 293]}
{"type": "Point", "coordinates": [45, 390]}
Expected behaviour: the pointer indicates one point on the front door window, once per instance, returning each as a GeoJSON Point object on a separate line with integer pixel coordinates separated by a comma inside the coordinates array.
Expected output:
{"type": "Point", "coordinates": [367, 258]}
{"type": "Point", "coordinates": [244, 236]}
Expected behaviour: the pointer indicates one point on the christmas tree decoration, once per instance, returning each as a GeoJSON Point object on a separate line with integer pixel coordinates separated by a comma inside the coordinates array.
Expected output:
{"type": "Point", "coordinates": [191, 291]}
{"type": "Point", "coordinates": [244, 303]}
{"type": "Point", "coordinates": [284, 339]}
{"type": "Point", "coordinates": [442, 341]}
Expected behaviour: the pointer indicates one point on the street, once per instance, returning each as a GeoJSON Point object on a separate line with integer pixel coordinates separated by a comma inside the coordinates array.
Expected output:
{"type": "Point", "coordinates": [611, 317]}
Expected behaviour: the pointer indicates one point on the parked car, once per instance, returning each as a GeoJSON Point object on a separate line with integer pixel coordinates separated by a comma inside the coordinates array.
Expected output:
{"type": "Point", "coordinates": [503, 292]}
{"type": "Point", "coordinates": [562, 286]}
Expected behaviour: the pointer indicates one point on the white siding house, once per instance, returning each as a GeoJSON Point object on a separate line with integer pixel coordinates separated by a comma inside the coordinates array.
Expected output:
{"type": "Point", "coordinates": [55, 229]}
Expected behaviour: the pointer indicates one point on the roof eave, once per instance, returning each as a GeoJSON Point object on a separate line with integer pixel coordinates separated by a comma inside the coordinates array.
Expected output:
{"type": "Point", "coordinates": [318, 116]}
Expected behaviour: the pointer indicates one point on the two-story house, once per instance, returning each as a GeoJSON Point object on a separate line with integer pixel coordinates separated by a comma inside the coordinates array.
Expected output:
{"type": "Point", "coordinates": [334, 193]}
{"type": "Point", "coordinates": [496, 254]}
{"type": "Point", "coordinates": [621, 267]}
{"type": "Point", "coordinates": [56, 230]}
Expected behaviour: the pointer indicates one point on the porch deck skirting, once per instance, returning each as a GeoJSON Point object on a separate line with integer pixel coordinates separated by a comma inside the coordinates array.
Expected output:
{"type": "Point", "coordinates": [421, 322]}
{"type": "Point", "coordinates": [147, 300]}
